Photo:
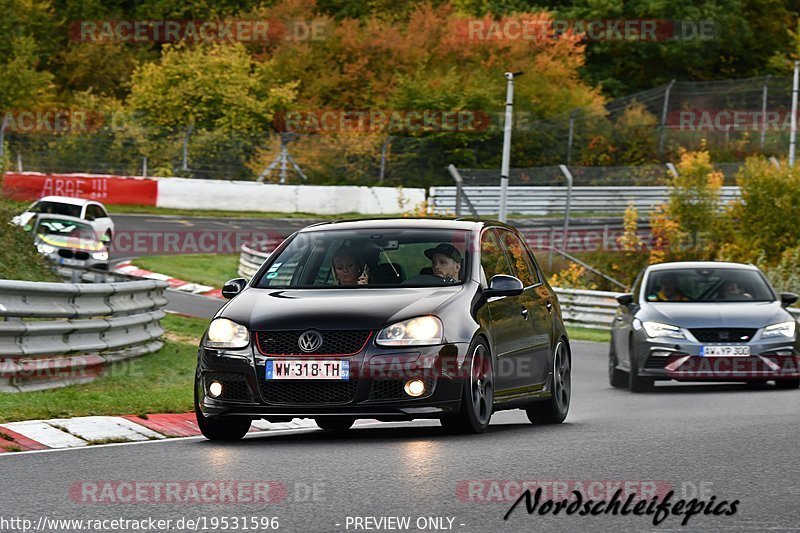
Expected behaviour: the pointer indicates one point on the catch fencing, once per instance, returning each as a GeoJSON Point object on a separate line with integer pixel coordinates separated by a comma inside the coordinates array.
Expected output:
{"type": "Point", "coordinates": [55, 334]}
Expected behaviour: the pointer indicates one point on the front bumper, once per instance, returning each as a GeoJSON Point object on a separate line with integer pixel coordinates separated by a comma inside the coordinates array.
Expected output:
{"type": "Point", "coordinates": [681, 360]}
{"type": "Point", "coordinates": [375, 389]}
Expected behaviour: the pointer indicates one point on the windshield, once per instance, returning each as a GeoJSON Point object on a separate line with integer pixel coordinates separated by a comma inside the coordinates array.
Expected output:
{"type": "Point", "coordinates": [56, 208]}
{"type": "Point", "coordinates": [65, 228]}
{"type": "Point", "coordinates": [708, 285]}
{"type": "Point", "coordinates": [370, 258]}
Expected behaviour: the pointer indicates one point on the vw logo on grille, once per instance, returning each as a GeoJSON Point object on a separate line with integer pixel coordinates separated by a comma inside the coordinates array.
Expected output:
{"type": "Point", "coordinates": [310, 341]}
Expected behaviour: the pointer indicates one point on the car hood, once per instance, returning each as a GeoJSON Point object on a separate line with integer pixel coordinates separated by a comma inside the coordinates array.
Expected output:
{"type": "Point", "coordinates": [276, 309]}
{"type": "Point", "coordinates": [73, 243]}
{"type": "Point", "coordinates": [715, 315]}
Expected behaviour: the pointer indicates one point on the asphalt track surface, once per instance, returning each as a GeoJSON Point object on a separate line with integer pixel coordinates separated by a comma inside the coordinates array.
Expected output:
{"type": "Point", "coordinates": [731, 441]}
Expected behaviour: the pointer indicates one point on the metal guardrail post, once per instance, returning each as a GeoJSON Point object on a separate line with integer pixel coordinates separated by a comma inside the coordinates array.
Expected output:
{"type": "Point", "coordinates": [460, 192]}
{"type": "Point", "coordinates": [664, 109]}
{"type": "Point", "coordinates": [568, 175]}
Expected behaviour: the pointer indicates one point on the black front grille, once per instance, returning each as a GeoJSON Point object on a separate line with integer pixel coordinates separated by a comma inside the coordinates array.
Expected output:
{"type": "Point", "coordinates": [234, 386]}
{"type": "Point", "coordinates": [308, 392]}
{"type": "Point", "coordinates": [333, 342]}
{"type": "Point", "coordinates": [70, 254]}
{"type": "Point", "coordinates": [732, 335]}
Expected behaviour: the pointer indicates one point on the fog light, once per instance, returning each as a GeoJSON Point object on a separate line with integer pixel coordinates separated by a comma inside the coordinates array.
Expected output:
{"type": "Point", "coordinates": [414, 387]}
{"type": "Point", "coordinates": [215, 389]}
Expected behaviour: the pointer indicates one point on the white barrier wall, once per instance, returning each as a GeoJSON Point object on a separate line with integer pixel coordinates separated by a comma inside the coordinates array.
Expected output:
{"type": "Point", "coordinates": [183, 193]}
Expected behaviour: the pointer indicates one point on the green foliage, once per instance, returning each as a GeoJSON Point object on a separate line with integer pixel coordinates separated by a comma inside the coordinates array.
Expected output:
{"type": "Point", "coordinates": [218, 87]}
{"type": "Point", "coordinates": [694, 194]}
{"type": "Point", "coordinates": [18, 256]}
{"type": "Point", "coordinates": [766, 217]}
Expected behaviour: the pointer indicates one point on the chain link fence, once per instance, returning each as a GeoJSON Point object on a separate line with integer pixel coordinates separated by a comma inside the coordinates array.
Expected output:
{"type": "Point", "coordinates": [731, 118]}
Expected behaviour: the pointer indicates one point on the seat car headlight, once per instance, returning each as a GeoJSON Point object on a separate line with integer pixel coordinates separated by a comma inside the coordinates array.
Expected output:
{"type": "Point", "coordinates": [784, 329]}
{"type": "Point", "coordinates": [100, 256]}
{"type": "Point", "coordinates": [657, 329]}
{"type": "Point", "coordinates": [224, 333]}
{"type": "Point", "coordinates": [420, 331]}
{"type": "Point", "coordinates": [45, 248]}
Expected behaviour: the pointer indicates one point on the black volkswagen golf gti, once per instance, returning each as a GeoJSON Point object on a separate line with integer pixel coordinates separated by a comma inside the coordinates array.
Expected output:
{"type": "Point", "coordinates": [388, 320]}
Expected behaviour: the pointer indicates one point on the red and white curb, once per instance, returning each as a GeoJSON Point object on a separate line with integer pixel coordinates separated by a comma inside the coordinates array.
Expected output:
{"type": "Point", "coordinates": [174, 283]}
{"type": "Point", "coordinates": [92, 430]}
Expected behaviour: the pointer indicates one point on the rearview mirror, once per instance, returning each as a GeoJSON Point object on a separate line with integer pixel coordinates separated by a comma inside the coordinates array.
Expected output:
{"type": "Point", "coordinates": [788, 298]}
{"type": "Point", "coordinates": [503, 285]}
{"type": "Point", "coordinates": [625, 299]}
{"type": "Point", "coordinates": [233, 287]}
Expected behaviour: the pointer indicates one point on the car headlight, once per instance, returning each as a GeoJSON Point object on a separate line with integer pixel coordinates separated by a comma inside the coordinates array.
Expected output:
{"type": "Point", "coordinates": [418, 331]}
{"type": "Point", "coordinates": [100, 256]}
{"type": "Point", "coordinates": [224, 333]}
{"type": "Point", "coordinates": [784, 329]}
{"type": "Point", "coordinates": [45, 248]}
{"type": "Point", "coordinates": [657, 329]}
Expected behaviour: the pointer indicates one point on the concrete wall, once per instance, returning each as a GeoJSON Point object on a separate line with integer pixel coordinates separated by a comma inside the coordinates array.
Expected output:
{"type": "Point", "coordinates": [185, 193]}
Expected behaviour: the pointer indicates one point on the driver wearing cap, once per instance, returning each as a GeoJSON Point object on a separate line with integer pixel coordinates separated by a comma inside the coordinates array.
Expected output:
{"type": "Point", "coordinates": [445, 261]}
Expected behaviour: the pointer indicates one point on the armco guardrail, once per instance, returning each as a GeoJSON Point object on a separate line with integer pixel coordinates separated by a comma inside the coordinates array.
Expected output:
{"type": "Point", "coordinates": [250, 260]}
{"type": "Point", "coordinates": [588, 309]}
{"type": "Point", "coordinates": [77, 329]}
{"type": "Point", "coordinates": [595, 309]}
{"type": "Point", "coordinates": [535, 200]}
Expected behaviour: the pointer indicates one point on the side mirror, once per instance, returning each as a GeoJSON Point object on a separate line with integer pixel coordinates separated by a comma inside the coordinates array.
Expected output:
{"type": "Point", "coordinates": [625, 299]}
{"type": "Point", "coordinates": [233, 287]}
{"type": "Point", "coordinates": [502, 285]}
{"type": "Point", "coordinates": [788, 298]}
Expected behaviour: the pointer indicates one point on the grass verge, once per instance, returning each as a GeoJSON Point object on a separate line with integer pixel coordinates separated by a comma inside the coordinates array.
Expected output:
{"type": "Point", "coordinates": [588, 334]}
{"type": "Point", "coordinates": [160, 382]}
{"type": "Point", "coordinates": [206, 269]}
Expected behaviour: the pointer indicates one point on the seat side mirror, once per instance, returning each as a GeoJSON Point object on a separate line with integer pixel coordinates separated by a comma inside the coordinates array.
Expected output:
{"type": "Point", "coordinates": [233, 287]}
{"type": "Point", "coordinates": [503, 285]}
{"type": "Point", "coordinates": [788, 298]}
{"type": "Point", "coordinates": [625, 299]}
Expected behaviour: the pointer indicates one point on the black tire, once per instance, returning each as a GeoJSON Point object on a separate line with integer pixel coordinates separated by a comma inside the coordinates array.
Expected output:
{"type": "Point", "coordinates": [554, 410]}
{"type": "Point", "coordinates": [788, 383]}
{"type": "Point", "coordinates": [477, 394]}
{"type": "Point", "coordinates": [225, 429]}
{"type": "Point", "coordinates": [616, 378]}
{"type": "Point", "coordinates": [335, 423]}
{"type": "Point", "coordinates": [636, 383]}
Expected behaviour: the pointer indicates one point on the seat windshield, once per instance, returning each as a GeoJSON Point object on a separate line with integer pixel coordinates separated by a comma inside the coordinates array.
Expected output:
{"type": "Point", "coordinates": [370, 259]}
{"type": "Point", "coordinates": [56, 208]}
{"type": "Point", "coordinates": [65, 228]}
{"type": "Point", "coordinates": [708, 285]}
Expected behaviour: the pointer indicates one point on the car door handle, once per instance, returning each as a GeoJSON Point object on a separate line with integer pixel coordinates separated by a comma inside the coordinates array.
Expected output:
{"type": "Point", "coordinates": [619, 319]}
{"type": "Point", "coordinates": [549, 305]}
{"type": "Point", "coordinates": [524, 313]}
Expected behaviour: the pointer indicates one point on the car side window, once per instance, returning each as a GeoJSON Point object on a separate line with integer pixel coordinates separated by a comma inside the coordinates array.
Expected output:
{"type": "Point", "coordinates": [493, 259]}
{"type": "Point", "coordinates": [99, 212]}
{"type": "Point", "coordinates": [520, 259]}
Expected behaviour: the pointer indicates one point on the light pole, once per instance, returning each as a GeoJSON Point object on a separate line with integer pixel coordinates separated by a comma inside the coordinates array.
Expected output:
{"type": "Point", "coordinates": [507, 143]}
{"type": "Point", "coordinates": [793, 132]}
